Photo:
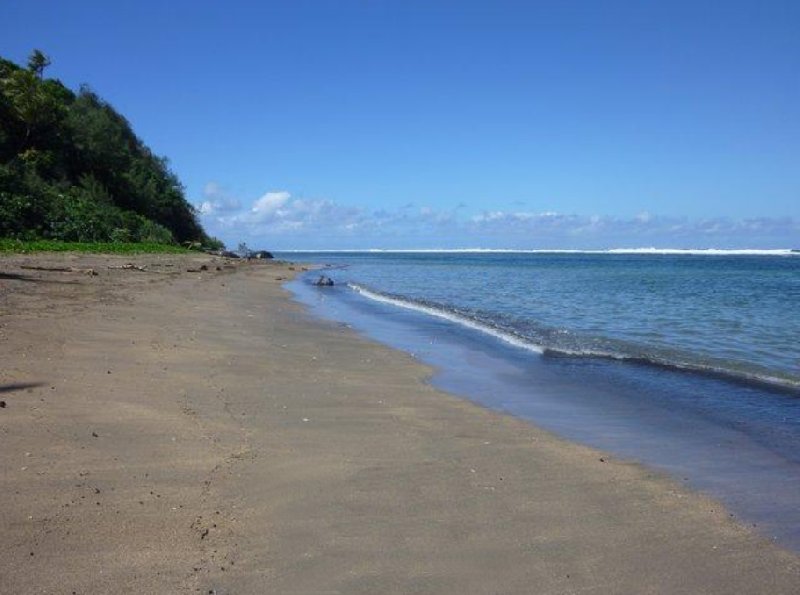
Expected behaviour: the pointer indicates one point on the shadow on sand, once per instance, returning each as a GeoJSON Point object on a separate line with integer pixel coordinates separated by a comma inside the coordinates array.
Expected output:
{"type": "Point", "coordinates": [7, 388]}
{"type": "Point", "coordinates": [29, 279]}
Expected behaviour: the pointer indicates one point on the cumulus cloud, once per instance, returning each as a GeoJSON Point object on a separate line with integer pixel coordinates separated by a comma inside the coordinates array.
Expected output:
{"type": "Point", "coordinates": [217, 200]}
{"type": "Point", "coordinates": [278, 213]}
{"type": "Point", "coordinates": [269, 205]}
{"type": "Point", "coordinates": [283, 221]}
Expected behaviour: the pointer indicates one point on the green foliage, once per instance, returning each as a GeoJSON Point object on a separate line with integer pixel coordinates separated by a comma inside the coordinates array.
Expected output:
{"type": "Point", "coordinates": [153, 233]}
{"type": "Point", "coordinates": [37, 62]}
{"type": "Point", "coordinates": [72, 169]}
{"type": "Point", "coordinates": [98, 247]}
{"type": "Point", "coordinates": [213, 243]}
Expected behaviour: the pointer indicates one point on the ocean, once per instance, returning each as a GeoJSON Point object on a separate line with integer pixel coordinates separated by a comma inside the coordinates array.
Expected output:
{"type": "Point", "coordinates": [685, 361]}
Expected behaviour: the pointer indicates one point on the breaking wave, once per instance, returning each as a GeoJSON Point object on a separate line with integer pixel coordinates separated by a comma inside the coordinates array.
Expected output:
{"type": "Point", "coordinates": [539, 339]}
{"type": "Point", "coordinates": [647, 251]}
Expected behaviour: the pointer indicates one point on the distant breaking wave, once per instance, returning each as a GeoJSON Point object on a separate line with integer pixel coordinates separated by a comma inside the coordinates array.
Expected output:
{"type": "Point", "coordinates": [655, 251]}
{"type": "Point", "coordinates": [545, 342]}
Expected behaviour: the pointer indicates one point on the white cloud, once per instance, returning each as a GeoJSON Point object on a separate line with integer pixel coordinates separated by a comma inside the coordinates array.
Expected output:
{"type": "Point", "coordinates": [269, 204]}
{"type": "Point", "coordinates": [278, 213]}
{"type": "Point", "coordinates": [280, 220]}
{"type": "Point", "coordinates": [217, 200]}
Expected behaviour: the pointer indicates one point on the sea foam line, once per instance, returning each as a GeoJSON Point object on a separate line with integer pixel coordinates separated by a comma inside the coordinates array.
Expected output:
{"type": "Point", "coordinates": [511, 339]}
{"type": "Point", "coordinates": [451, 316]}
{"type": "Point", "coordinates": [645, 251]}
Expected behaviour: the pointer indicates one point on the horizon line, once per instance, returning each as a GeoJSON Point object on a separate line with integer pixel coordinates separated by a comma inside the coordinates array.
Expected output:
{"type": "Point", "coordinates": [664, 251]}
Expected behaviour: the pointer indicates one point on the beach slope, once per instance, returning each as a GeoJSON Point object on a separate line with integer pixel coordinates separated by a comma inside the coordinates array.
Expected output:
{"type": "Point", "coordinates": [184, 427]}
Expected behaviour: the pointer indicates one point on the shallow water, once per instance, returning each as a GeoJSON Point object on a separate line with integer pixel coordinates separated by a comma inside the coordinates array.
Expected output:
{"type": "Point", "coordinates": [725, 434]}
{"type": "Point", "coordinates": [732, 314]}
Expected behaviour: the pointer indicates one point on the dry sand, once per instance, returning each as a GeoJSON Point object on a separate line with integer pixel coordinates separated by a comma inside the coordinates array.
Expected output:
{"type": "Point", "coordinates": [182, 432]}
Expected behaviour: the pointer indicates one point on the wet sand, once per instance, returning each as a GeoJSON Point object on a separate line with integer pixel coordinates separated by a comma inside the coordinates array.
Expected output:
{"type": "Point", "coordinates": [167, 431]}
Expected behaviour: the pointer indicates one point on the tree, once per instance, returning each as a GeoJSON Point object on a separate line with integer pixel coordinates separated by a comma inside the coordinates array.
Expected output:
{"type": "Point", "coordinates": [72, 168]}
{"type": "Point", "coordinates": [37, 62]}
{"type": "Point", "coordinates": [32, 103]}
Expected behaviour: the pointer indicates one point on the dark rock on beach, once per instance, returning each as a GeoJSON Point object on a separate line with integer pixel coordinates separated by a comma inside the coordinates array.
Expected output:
{"type": "Point", "coordinates": [223, 253]}
{"type": "Point", "coordinates": [323, 281]}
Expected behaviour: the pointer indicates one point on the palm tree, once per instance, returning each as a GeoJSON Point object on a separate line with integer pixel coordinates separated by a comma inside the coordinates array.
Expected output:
{"type": "Point", "coordinates": [37, 62]}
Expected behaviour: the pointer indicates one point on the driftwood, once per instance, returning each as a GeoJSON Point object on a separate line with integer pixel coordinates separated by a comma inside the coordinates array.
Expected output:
{"type": "Point", "coordinates": [129, 266]}
{"type": "Point", "coordinates": [59, 269]}
{"type": "Point", "coordinates": [143, 268]}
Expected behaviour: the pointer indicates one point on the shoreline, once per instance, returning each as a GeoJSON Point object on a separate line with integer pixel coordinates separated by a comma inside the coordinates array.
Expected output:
{"type": "Point", "coordinates": [176, 431]}
{"type": "Point", "coordinates": [635, 412]}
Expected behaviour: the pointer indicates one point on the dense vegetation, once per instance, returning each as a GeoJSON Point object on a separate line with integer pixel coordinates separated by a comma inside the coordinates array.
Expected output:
{"type": "Point", "coordinates": [8, 245]}
{"type": "Point", "coordinates": [72, 169]}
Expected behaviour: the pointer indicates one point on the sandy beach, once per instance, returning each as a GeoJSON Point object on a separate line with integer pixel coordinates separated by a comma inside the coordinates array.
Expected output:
{"type": "Point", "coordinates": [187, 428]}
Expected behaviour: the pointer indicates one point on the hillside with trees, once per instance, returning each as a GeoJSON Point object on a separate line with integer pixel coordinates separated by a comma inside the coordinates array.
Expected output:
{"type": "Point", "coordinates": [72, 169]}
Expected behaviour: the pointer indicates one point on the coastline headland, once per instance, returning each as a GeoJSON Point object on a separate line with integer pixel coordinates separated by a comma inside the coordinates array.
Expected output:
{"type": "Point", "coordinates": [181, 426]}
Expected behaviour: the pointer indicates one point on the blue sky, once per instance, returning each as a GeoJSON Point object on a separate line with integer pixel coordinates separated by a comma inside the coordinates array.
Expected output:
{"type": "Point", "coordinates": [344, 124]}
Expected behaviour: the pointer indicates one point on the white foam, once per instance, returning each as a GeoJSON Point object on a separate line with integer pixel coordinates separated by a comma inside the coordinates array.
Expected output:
{"type": "Point", "coordinates": [540, 350]}
{"type": "Point", "coordinates": [451, 316]}
{"type": "Point", "coordinates": [705, 251]}
{"type": "Point", "coordinates": [652, 250]}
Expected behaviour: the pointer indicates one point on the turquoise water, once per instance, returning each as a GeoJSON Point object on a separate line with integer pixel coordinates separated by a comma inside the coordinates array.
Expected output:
{"type": "Point", "coordinates": [730, 314]}
{"type": "Point", "coordinates": [686, 363]}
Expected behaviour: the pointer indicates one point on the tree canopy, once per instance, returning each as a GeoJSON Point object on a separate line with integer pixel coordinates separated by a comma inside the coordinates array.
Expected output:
{"type": "Point", "coordinates": [71, 168]}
